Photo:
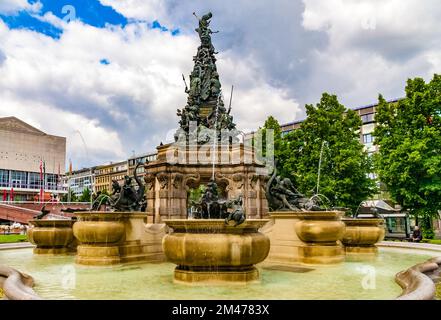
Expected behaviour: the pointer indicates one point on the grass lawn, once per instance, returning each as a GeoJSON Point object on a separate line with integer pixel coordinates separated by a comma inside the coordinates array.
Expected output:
{"type": "Point", "coordinates": [10, 238]}
{"type": "Point", "coordinates": [432, 241]}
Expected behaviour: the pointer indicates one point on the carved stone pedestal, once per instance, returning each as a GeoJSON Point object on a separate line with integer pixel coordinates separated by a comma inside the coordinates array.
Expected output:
{"type": "Point", "coordinates": [177, 169]}
{"type": "Point", "coordinates": [117, 237]}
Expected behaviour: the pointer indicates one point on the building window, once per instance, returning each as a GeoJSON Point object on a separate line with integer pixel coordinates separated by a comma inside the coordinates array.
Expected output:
{"type": "Point", "coordinates": [34, 180]}
{"type": "Point", "coordinates": [367, 138]}
{"type": "Point", "coordinates": [4, 178]}
{"type": "Point", "coordinates": [51, 181]}
{"type": "Point", "coordinates": [18, 179]}
{"type": "Point", "coordinates": [367, 118]}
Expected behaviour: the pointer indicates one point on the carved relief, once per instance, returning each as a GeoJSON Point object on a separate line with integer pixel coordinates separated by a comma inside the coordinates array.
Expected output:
{"type": "Point", "coordinates": [252, 181]}
{"type": "Point", "coordinates": [149, 180]}
{"type": "Point", "coordinates": [163, 180]}
{"type": "Point", "coordinates": [238, 179]}
{"type": "Point", "coordinates": [224, 179]}
{"type": "Point", "coordinates": [177, 179]}
{"type": "Point", "coordinates": [191, 180]}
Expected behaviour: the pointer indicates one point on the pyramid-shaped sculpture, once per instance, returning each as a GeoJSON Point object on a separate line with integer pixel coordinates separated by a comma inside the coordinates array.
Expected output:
{"type": "Point", "coordinates": [205, 109]}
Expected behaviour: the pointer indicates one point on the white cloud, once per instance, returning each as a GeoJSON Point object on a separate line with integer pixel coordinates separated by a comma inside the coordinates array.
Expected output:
{"type": "Point", "coordinates": [373, 46]}
{"type": "Point", "coordinates": [98, 141]}
{"type": "Point", "coordinates": [13, 6]}
{"type": "Point", "coordinates": [253, 98]}
{"type": "Point", "coordinates": [139, 9]}
{"type": "Point", "coordinates": [130, 104]}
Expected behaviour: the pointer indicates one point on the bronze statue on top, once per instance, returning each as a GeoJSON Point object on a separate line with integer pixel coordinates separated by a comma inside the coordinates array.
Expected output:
{"type": "Point", "coordinates": [205, 106]}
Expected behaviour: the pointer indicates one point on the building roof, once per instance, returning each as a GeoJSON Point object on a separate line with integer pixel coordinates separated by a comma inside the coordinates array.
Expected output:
{"type": "Point", "coordinates": [151, 153]}
{"type": "Point", "coordinates": [15, 124]}
{"type": "Point", "coordinates": [355, 109]}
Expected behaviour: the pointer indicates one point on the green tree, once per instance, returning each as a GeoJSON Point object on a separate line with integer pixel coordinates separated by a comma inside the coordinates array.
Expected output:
{"type": "Point", "coordinates": [274, 144]}
{"type": "Point", "coordinates": [333, 131]}
{"type": "Point", "coordinates": [86, 196]}
{"type": "Point", "coordinates": [73, 197]}
{"type": "Point", "coordinates": [409, 138]}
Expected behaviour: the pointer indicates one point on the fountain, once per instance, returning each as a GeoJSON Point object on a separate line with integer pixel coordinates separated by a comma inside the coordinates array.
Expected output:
{"type": "Point", "coordinates": [220, 244]}
{"type": "Point", "coordinates": [227, 238]}
{"type": "Point", "coordinates": [361, 235]}
{"type": "Point", "coordinates": [300, 230]}
{"type": "Point", "coordinates": [53, 236]}
{"type": "Point", "coordinates": [120, 236]}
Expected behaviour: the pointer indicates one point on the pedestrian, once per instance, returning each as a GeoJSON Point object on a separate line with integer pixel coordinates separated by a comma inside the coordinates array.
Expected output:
{"type": "Point", "coordinates": [417, 235]}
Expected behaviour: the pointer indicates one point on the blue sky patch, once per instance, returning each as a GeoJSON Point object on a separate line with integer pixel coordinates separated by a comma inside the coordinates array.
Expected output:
{"type": "Point", "coordinates": [23, 20]}
{"type": "Point", "coordinates": [90, 12]}
{"type": "Point", "coordinates": [157, 25]}
{"type": "Point", "coordinates": [105, 62]}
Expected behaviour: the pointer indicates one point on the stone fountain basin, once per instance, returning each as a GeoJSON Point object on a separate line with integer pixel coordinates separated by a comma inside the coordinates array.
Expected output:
{"type": "Point", "coordinates": [99, 227]}
{"type": "Point", "coordinates": [50, 233]}
{"type": "Point", "coordinates": [320, 226]}
{"type": "Point", "coordinates": [363, 232]}
{"type": "Point", "coordinates": [211, 243]}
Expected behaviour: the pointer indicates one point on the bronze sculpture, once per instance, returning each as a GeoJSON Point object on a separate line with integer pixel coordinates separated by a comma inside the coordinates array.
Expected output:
{"type": "Point", "coordinates": [126, 197]}
{"type": "Point", "coordinates": [210, 206]}
{"type": "Point", "coordinates": [205, 92]}
{"type": "Point", "coordinates": [283, 196]}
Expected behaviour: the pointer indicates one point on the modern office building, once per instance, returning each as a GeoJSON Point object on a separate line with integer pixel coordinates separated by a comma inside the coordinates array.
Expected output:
{"type": "Point", "coordinates": [80, 180]}
{"type": "Point", "coordinates": [32, 162]}
{"type": "Point", "coordinates": [367, 115]}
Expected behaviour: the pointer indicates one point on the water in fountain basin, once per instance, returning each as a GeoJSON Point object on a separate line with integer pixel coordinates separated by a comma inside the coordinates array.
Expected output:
{"type": "Point", "coordinates": [58, 277]}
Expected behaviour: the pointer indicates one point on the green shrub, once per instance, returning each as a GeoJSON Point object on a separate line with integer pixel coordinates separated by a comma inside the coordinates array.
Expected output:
{"type": "Point", "coordinates": [428, 234]}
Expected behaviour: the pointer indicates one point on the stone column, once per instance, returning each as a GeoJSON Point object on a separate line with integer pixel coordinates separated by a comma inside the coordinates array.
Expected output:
{"type": "Point", "coordinates": [178, 197]}
{"type": "Point", "coordinates": [150, 180]}
{"type": "Point", "coordinates": [262, 207]}
{"type": "Point", "coordinates": [162, 203]}
{"type": "Point", "coordinates": [251, 197]}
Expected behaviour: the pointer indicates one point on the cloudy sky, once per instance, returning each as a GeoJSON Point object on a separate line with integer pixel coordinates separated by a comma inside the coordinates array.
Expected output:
{"type": "Point", "coordinates": [106, 74]}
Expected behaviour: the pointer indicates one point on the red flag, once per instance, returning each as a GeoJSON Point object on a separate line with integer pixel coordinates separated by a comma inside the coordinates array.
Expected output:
{"type": "Point", "coordinates": [41, 169]}
{"type": "Point", "coordinates": [11, 196]}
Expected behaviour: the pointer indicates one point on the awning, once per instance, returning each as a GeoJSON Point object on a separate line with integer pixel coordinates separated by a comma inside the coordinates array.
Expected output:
{"type": "Point", "coordinates": [379, 206]}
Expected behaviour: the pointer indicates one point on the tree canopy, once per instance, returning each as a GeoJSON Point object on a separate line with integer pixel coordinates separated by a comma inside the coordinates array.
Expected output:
{"type": "Point", "coordinates": [408, 134]}
{"type": "Point", "coordinates": [86, 195]}
{"type": "Point", "coordinates": [332, 131]}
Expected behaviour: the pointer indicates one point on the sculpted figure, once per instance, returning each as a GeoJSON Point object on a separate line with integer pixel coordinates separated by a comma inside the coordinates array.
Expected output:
{"type": "Point", "coordinates": [127, 198]}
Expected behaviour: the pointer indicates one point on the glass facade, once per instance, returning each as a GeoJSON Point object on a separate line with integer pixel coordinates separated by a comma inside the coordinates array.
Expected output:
{"type": "Point", "coordinates": [4, 178]}
{"type": "Point", "coordinates": [19, 179]}
{"type": "Point", "coordinates": [79, 184]}
{"type": "Point", "coordinates": [28, 180]}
